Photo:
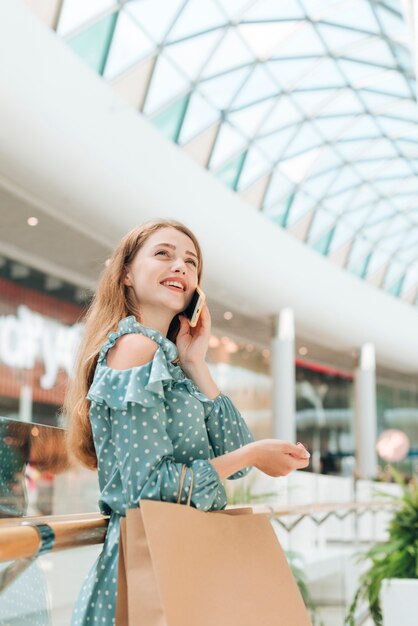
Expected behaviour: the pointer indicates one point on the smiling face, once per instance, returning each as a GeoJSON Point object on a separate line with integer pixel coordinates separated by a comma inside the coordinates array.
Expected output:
{"type": "Point", "coordinates": [167, 255]}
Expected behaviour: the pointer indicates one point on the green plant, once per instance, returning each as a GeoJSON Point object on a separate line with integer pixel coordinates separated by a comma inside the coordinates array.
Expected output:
{"type": "Point", "coordinates": [397, 557]}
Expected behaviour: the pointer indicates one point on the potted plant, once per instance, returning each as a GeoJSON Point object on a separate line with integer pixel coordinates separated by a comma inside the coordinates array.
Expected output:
{"type": "Point", "coordinates": [393, 565]}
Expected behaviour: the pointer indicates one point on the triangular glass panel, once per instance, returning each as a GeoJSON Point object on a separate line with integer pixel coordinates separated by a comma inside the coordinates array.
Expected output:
{"type": "Point", "coordinates": [92, 44]}
{"type": "Point", "coordinates": [229, 173]}
{"type": "Point", "coordinates": [283, 114]}
{"type": "Point", "coordinates": [129, 45]}
{"type": "Point", "coordinates": [166, 85]}
{"type": "Point", "coordinates": [322, 245]}
{"type": "Point", "coordinates": [192, 54]}
{"type": "Point", "coordinates": [155, 18]}
{"type": "Point", "coordinates": [232, 53]}
{"type": "Point", "coordinates": [249, 119]}
{"type": "Point", "coordinates": [170, 120]}
{"type": "Point", "coordinates": [200, 115]}
{"type": "Point", "coordinates": [269, 10]}
{"type": "Point", "coordinates": [220, 90]}
{"type": "Point", "coordinates": [75, 13]}
{"type": "Point", "coordinates": [194, 19]}
{"type": "Point", "coordinates": [228, 143]}
{"type": "Point", "coordinates": [264, 37]}
{"type": "Point", "coordinates": [255, 165]}
{"type": "Point", "coordinates": [259, 86]}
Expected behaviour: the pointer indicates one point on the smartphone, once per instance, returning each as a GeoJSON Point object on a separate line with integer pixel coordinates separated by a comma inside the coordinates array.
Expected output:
{"type": "Point", "coordinates": [192, 312]}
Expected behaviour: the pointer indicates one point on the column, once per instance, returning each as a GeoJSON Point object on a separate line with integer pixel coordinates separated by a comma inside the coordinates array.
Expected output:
{"type": "Point", "coordinates": [283, 374]}
{"type": "Point", "coordinates": [365, 419]}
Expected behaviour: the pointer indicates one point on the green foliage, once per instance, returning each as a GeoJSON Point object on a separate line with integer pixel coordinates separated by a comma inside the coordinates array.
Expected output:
{"type": "Point", "coordinates": [397, 557]}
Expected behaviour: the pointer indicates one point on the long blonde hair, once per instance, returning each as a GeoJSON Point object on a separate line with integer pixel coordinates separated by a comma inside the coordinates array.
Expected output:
{"type": "Point", "coordinates": [112, 301]}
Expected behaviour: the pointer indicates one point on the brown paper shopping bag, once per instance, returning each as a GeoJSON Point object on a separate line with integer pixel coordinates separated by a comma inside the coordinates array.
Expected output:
{"type": "Point", "coordinates": [186, 567]}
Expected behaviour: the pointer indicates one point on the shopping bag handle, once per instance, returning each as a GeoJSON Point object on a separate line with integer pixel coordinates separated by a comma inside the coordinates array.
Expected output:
{"type": "Point", "coordinates": [182, 477]}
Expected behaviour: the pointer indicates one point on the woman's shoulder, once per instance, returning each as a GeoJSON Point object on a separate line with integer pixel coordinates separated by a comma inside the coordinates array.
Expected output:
{"type": "Point", "coordinates": [141, 368]}
{"type": "Point", "coordinates": [131, 350]}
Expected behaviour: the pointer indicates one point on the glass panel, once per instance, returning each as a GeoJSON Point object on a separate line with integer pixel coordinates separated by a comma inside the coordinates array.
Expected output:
{"type": "Point", "coordinates": [279, 188]}
{"type": "Point", "coordinates": [345, 103]}
{"type": "Point", "coordinates": [333, 127]}
{"type": "Point", "coordinates": [258, 87]}
{"type": "Point", "coordinates": [322, 245]}
{"type": "Point", "coordinates": [312, 102]}
{"type": "Point", "coordinates": [283, 114]}
{"type": "Point", "coordinates": [193, 20]}
{"type": "Point", "coordinates": [129, 44]}
{"type": "Point", "coordinates": [75, 13]}
{"type": "Point", "coordinates": [354, 14]}
{"type": "Point", "coordinates": [318, 185]}
{"type": "Point", "coordinates": [268, 10]}
{"type": "Point", "coordinates": [322, 223]}
{"type": "Point", "coordinates": [325, 74]}
{"type": "Point", "coordinates": [221, 89]}
{"type": "Point", "coordinates": [230, 54]}
{"type": "Point", "coordinates": [166, 84]}
{"type": "Point", "coordinates": [273, 145]}
{"type": "Point", "coordinates": [169, 121]}
{"type": "Point", "coordinates": [255, 165]}
{"type": "Point", "coordinates": [249, 119]}
{"type": "Point", "coordinates": [302, 42]}
{"type": "Point", "coordinates": [92, 44]}
{"type": "Point", "coordinates": [306, 139]}
{"type": "Point", "coordinates": [264, 37]}
{"type": "Point", "coordinates": [191, 55]}
{"type": "Point", "coordinates": [230, 172]}
{"type": "Point", "coordinates": [228, 142]}
{"type": "Point", "coordinates": [297, 168]}
{"type": "Point", "coordinates": [374, 50]}
{"type": "Point", "coordinates": [342, 234]}
{"type": "Point", "coordinates": [155, 18]}
{"type": "Point", "coordinates": [300, 206]}
{"type": "Point", "coordinates": [341, 39]}
{"type": "Point", "coordinates": [200, 115]}
{"type": "Point", "coordinates": [290, 71]}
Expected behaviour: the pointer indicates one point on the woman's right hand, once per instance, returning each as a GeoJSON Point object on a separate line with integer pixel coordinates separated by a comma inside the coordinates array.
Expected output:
{"type": "Point", "coordinates": [278, 458]}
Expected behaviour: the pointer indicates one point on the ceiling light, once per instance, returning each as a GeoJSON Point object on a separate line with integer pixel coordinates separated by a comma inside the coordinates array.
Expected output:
{"type": "Point", "coordinates": [228, 315]}
{"type": "Point", "coordinates": [33, 221]}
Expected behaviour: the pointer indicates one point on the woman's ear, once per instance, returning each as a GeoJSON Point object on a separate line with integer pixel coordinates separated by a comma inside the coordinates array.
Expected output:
{"type": "Point", "coordinates": [126, 277]}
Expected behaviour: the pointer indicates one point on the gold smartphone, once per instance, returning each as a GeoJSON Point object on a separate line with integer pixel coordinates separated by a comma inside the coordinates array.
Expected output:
{"type": "Point", "coordinates": [192, 312]}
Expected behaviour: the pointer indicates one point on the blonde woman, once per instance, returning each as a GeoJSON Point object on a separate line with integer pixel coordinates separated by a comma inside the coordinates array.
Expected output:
{"type": "Point", "coordinates": [143, 403]}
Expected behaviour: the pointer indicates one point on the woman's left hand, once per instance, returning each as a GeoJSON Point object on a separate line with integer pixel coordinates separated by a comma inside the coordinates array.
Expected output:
{"type": "Point", "coordinates": [192, 343]}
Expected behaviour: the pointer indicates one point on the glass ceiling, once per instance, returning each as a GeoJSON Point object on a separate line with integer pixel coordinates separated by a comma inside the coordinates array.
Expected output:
{"type": "Point", "coordinates": [306, 108]}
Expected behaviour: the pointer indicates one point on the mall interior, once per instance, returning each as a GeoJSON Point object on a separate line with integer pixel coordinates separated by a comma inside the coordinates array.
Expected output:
{"type": "Point", "coordinates": [285, 136]}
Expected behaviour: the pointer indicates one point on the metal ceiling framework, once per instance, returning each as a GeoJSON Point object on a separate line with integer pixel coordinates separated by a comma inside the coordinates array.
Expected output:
{"type": "Point", "coordinates": [305, 108]}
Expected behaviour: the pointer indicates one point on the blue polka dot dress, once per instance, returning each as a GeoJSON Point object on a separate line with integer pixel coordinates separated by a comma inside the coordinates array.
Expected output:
{"type": "Point", "coordinates": [147, 422]}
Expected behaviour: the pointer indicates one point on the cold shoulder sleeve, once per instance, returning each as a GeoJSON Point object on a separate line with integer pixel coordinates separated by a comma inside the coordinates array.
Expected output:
{"type": "Point", "coordinates": [227, 430]}
{"type": "Point", "coordinates": [135, 411]}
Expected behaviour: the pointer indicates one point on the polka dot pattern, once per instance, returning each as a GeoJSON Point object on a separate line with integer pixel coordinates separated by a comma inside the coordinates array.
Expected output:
{"type": "Point", "coordinates": [147, 422]}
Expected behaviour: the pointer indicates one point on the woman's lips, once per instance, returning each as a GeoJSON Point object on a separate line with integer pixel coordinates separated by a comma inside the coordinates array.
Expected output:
{"type": "Point", "coordinates": [174, 288]}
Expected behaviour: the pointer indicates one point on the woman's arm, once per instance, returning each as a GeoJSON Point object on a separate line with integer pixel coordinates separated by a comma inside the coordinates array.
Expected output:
{"type": "Point", "coordinates": [202, 378]}
{"type": "Point", "coordinates": [234, 461]}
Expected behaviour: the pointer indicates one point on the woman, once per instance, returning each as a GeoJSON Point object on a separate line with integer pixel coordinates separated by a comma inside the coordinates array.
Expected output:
{"type": "Point", "coordinates": [143, 402]}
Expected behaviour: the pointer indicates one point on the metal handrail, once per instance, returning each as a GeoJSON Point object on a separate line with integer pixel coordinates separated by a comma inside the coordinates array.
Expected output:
{"type": "Point", "coordinates": [20, 537]}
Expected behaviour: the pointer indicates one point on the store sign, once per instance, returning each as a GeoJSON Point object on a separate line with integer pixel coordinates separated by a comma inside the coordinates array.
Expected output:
{"type": "Point", "coordinates": [28, 336]}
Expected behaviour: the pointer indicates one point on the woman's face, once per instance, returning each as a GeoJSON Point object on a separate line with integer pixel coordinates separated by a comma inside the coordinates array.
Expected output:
{"type": "Point", "coordinates": [167, 254]}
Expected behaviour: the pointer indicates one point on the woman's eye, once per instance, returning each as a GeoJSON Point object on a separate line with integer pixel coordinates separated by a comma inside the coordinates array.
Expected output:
{"type": "Point", "coordinates": [188, 260]}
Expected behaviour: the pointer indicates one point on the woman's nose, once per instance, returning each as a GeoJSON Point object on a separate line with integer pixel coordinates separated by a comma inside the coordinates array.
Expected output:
{"type": "Point", "coordinates": [179, 265]}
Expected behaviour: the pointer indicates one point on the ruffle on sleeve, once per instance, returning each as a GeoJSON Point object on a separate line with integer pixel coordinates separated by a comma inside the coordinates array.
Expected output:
{"type": "Point", "coordinates": [143, 384]}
